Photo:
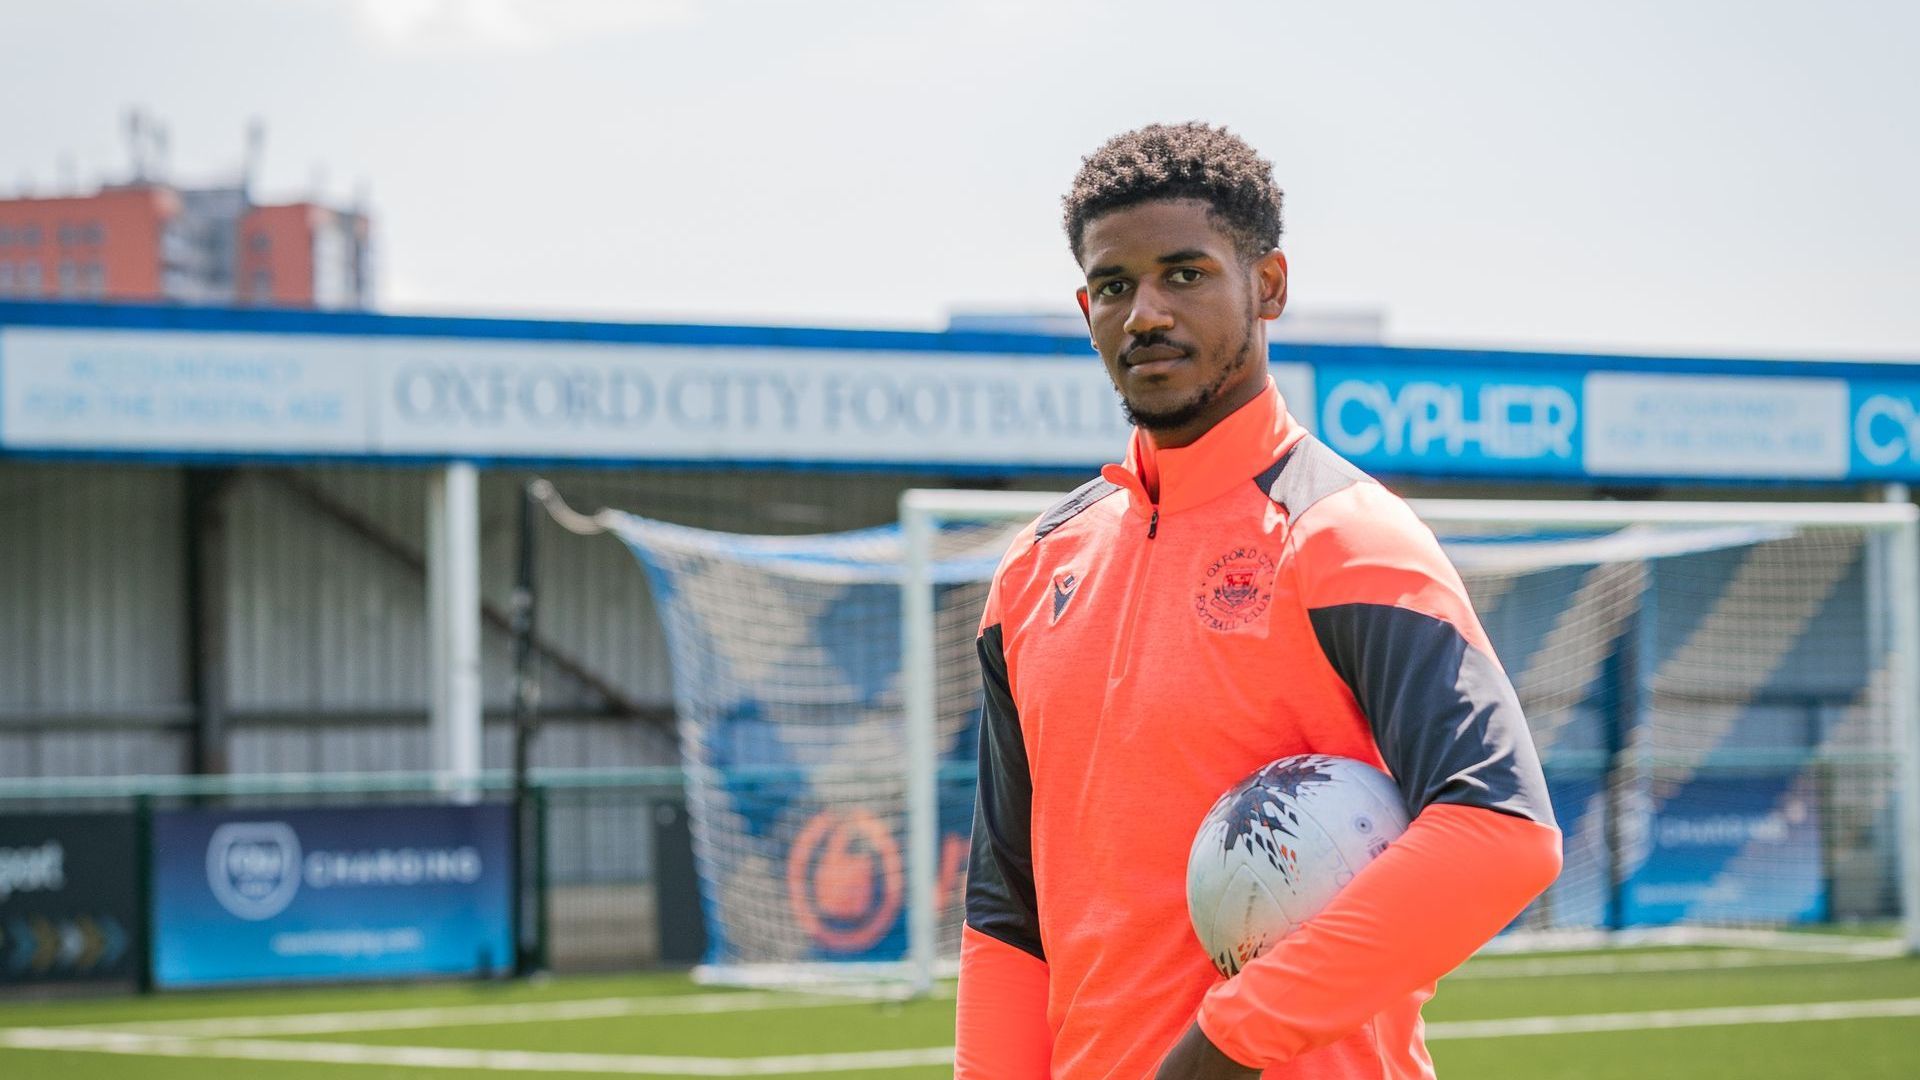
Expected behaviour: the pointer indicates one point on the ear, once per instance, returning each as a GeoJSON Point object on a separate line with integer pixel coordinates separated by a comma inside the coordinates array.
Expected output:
{"type": "Point", "coordinates": [1086, 310]}
{"type": "Point", "coordinates": [1270, 275]}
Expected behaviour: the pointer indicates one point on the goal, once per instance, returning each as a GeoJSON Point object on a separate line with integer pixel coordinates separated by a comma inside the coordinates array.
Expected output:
{"type": "Point", "coordinates": [1723, 695]}
{"type": "Point", "coordinates": [830, 835]}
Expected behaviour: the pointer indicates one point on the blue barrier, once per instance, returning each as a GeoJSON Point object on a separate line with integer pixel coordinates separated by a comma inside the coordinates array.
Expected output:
{"type": "Point", "coordinates": [318, 894]}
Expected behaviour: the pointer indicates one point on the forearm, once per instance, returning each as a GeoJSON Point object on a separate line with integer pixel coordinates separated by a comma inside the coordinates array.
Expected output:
{"type": "Point", "coordinates": [1455, 879]}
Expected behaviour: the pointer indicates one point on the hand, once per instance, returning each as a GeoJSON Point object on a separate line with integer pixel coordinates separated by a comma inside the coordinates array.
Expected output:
{"type": "Point", "coordinates": [1195, 1057]}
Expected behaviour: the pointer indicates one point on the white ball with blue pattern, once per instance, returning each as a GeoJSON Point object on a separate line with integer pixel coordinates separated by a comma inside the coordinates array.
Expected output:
{"type": "Point", "coordinates": [1277, 847]}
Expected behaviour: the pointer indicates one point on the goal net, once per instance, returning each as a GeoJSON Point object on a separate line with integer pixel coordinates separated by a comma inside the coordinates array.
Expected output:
{"type": "Point", "coordinates": [1722, 694]}
{"type": "Point", "coordinates": [1723, 697]}
{"type": "Point", "coordinates": [830, 844]}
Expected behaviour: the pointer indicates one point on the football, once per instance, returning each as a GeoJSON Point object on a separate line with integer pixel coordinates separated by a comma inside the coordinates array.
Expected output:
{"type": "Point", "coordinates": [1279, 844]}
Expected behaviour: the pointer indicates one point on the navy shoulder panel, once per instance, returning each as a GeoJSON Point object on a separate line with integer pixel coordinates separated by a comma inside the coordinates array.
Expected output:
{"type": "Point", "coordinates": [1444, 715]}
{"type": "Point", "coordinates": [1077, 500]}
{"type": "Point", "coordinates": [1306, 474]}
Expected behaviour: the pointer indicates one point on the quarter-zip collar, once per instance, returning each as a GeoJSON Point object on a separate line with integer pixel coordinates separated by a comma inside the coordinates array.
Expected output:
{"type": "Point", "coordinates": [1233, 451]}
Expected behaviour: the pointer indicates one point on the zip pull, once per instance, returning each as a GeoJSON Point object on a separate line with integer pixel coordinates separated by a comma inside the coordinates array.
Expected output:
{"type": "Point", "coordinates": [1153, 524]}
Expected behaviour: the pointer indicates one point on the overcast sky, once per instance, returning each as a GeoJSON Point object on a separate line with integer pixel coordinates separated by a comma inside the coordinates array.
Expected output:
{"type": "Point", "coordinates": [1693, 176]}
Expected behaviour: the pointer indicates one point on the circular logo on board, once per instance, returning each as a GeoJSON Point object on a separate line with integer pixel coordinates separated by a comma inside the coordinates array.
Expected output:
{"type": "Point", "coordinates": [254, 867]}
{"type": "Point", "coordinates": [844, 879]}
{"type": "Point", "coordinates": [1236, 589]}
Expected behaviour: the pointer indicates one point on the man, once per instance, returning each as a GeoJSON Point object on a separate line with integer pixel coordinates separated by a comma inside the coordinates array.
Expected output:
{"type": "Point", "coordinates": [1233, 593]}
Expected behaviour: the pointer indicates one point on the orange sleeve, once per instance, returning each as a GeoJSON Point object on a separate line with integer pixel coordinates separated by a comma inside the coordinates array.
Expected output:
{"type": "Point", "coordinates": [1001, 1032]}
{"type": "Point", "coordinates": [1457, 877]}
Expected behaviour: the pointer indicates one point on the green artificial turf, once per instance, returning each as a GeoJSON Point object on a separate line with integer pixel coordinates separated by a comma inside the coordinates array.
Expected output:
{"type": "Point", "coordinates": [1858, 1049]}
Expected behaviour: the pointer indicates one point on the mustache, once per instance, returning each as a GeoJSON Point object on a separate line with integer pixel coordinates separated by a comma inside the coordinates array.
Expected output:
{"type": "Point", "coordinates": [1147, 341]}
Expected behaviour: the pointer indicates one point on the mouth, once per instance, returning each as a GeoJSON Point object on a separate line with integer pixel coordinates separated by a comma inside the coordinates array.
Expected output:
{"type": "Point", "coordinates": [1153, 360]}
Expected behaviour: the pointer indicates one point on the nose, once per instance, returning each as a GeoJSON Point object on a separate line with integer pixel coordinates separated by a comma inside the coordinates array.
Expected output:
{"type": "Point", "coordinates": [1149, 312]}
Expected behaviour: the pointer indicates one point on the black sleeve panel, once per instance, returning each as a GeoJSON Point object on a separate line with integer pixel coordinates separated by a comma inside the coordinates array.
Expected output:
{"type": "Point", "coordinates": [1000, 897]}
{"type": "Point", "coordinates": [1445, 716]}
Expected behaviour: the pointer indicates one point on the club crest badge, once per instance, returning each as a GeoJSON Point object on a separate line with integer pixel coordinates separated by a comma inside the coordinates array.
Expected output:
{"type": "Point", "coordinates": [1236, 589]}
{"type": "Point", "coordinates": [253, 867]}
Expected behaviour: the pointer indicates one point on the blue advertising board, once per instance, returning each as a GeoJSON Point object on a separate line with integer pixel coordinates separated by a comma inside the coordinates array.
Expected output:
{"type": "Point", "coordinates": [1469, 420]}
{"type": "Point", "coordinates": [1727, 849]}
{"type": "Point", "coordinates": [331, 894]}
{"type": "Point", "coordinates": [1886, 429]}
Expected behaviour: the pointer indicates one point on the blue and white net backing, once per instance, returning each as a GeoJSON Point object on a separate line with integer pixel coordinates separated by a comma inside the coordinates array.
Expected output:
{"type": "Point", "coordinates": [1713, 706]}
{"type": "Point", "coordinates": [787, 684]}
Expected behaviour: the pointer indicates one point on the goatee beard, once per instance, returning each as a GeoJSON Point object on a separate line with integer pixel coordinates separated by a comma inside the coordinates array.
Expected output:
{"type": "Point", "coordinates": [1186, 412]}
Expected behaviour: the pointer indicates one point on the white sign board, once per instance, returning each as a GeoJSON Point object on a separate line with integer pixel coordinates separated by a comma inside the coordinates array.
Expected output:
{"type": "Point", "coordinates": [218, 393]}
{"type": "Point", "coordinates": [378, 395]}
{"type": "Point", "coordinates": [1716, 425]}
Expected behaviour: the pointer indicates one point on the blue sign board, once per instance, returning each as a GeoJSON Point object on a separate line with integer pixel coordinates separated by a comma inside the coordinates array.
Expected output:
{"type": "Point", "coordinates": [1731, 850]}
{"type": "Point", "coordinates": [331, 894]}
{"type": "Point", "coordinates": [1886, 429]}
{"type": "Point", "coordinates": [1404, 419]}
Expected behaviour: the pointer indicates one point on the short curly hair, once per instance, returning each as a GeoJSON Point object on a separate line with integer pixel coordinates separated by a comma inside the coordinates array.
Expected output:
{"type": "Point", "coordinates": [1180, 161]}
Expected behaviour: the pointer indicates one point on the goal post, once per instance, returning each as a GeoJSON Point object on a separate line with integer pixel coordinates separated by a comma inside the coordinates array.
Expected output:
{"type": "Point", "coordinates": [1904, 581]}
{"type": "Point", "coordinates": [923, 514]}
{"type": "Point", "coordinates": [1724, 694]}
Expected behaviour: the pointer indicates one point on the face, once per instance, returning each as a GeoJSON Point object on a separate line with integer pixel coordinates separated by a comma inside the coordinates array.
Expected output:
{"type": "Point", "coordinates": [1175, 314]}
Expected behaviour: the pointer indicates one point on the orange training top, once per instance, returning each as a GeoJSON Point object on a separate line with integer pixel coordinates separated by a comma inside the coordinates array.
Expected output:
{"type": "Point", "coordinates": [1148, 642]}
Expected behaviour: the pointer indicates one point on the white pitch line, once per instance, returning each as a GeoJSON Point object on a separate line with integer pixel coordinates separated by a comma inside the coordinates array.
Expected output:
{"type": "Point", "coordinates": [1834, 944]}
{"type": "Point", "coordinates": [335, 1023]}
{"type": "Point", "coordinates": [1892, 1008]}
{"type": "Point", "coordinates": [1559, 941]}
{"type": "Point", "coordinates": [435, 1057]}
{"type": "Point", "coordinates": [438, 1057]}
{"type": "Point", "coordinates": [1638, 963]}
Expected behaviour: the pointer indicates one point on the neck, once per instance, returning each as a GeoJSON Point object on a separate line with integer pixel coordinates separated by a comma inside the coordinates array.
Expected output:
{"type": "Point", "coordinates": [1247, 441]}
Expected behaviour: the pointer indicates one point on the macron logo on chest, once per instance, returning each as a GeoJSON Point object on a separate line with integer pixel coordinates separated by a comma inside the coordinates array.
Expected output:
{"type": "Point", "coordinates": [1064, 584]}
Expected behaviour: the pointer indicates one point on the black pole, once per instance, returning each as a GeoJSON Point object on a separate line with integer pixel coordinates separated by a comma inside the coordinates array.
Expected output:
{"type": "Point", "coordinates": [143, 938]}
{"type": "Point", "coordinates": [526, 703]}
{"type": "Point", "coordinates": [204, 581]}
{"type": "Point", "coordinates": [526, 680]}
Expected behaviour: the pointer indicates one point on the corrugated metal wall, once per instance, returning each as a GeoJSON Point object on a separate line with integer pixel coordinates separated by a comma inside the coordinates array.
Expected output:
{"type": "Point", "coordinates": [91, 602]}
{"type": "Point", "coordinates": [319, 620]}
{"type": "Point", "coordinates": [325, 622]}
{"type": "Point", "coordinates": [93, 660]}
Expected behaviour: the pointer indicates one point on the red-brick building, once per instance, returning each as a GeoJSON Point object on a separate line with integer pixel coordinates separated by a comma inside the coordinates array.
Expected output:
{"type": "Point", "coordinates": [155, 242]}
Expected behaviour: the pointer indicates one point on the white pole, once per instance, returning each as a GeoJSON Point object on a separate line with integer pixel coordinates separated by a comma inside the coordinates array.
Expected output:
{"type": "Point", "coordinates": [1905, 572]}
{"type": "Point", "coordinates": [437, 624]}
{"type": "Point", "coordinates": [453, 616]}
{"type": "Point", "coordinates": [917, 693]}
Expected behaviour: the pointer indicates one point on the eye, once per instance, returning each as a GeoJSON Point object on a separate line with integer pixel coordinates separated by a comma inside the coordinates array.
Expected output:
{"type": "Point", "coordinates": [1111, 288]}
{"type": "Point", "coordinates": [1185, 275]}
